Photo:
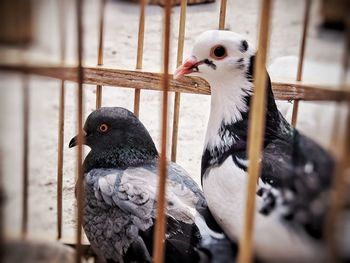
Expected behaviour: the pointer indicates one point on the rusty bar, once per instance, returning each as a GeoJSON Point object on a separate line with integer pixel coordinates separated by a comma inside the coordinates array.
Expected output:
{"type": "Point", "coordinates": [257, 117]}
{"type": "Point", "coordinates": [79, 184]}
{"type": "Point", "coordinates": [140, 41]}
{"type": "Point", "coordinates": [25, 156]}
{"type": "Point", "coordinates": [222, 14]}
{"type": "Point", "coordinates": [100, 50]}
{"type": "Point", "coordinates": [159, 233]}
{"type": "Point", "coordinates": [301, 57]}
{"type": "Point", "coordinates": [60, 144]}
{"type": "Point", "coordinates": [180, 51]}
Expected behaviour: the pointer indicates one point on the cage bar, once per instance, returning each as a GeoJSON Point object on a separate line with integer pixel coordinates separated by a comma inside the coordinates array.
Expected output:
{"type": "Point", "coordinates": [25, 155]}
{"type": "Point", "coordinates": [140, 42]}
{"type": "Point", "coordinates": [256, 133]}
{"type": "Point", "coordinates": [100, 50]}
{"type": "Point", "coordinates": [222, 17]}
{"type": "Point", "coordinates": [61, 103]}
{"type": "Point", "coordinates": [79, 184]}
{"type": "Point", "coordinates": [342, 154]}
{"type": "Point", "coordinates": [2, 205]}
{"type": "Point", "coordinates": [301, 57]}
{"type": "Point", "coordinates": [180, 51]}
{"type": "Point", "coordinates": [159, 234]}
{"type": "Point", "coordinates": [152, 81]}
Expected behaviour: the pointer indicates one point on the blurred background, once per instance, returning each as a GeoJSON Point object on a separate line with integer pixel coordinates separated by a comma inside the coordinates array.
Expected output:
{"type": "Point", "coordinates": [31, 34]}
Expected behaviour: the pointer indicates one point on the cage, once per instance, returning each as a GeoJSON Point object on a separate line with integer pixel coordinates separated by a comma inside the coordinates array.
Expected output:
{"type": "Point", "coordinates": [96, 80]}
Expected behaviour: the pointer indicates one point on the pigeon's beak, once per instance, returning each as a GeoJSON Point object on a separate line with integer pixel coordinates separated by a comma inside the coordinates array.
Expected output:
{"type": "Point", "coordinates": [74, 141]}
{"type": "Point", "coordinates": [189, 66]}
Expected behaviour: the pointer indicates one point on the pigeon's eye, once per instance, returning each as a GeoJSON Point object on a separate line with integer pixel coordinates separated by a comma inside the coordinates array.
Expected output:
{"type": "Point", "coordinates": [218, 52]}
{"type": "Point", "coordinates": [103, 128]}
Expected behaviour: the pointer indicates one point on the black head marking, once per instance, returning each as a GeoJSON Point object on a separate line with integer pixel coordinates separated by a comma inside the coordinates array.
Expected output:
{"type": "Point", "coordinates": [210, 63]}
{"type": "Point", "coordinates": [244, 46]}
{"type": "Point", "coordinates": [240, 63]}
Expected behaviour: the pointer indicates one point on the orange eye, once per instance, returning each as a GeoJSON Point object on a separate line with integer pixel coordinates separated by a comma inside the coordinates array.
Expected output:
{"type": "Point", "coordinates": [103, 128]}
{"type": "Point", "coordinates": [218, 52]}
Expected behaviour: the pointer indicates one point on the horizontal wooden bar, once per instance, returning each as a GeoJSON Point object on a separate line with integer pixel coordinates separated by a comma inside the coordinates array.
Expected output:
{"type": "Point", "coordinates": [152, 81]}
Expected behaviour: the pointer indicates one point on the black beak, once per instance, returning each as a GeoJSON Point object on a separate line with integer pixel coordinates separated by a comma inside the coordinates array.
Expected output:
{"type": "Point", "coordinates": [74, 141]}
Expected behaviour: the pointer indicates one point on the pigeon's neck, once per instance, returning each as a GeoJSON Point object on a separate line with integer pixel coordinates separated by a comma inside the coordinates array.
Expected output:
{"type": "Point", "coordinates": [119, 157]}
{"type": "Point", "coordinates": [229, 105]}
{"type": "Point", "coordinates": [228, 123]}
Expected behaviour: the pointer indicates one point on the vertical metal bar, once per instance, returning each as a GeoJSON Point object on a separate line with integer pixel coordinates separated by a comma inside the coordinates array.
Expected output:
{"type": "Point", "coordinates": [60, 144]}
{"type": "Point", "coordinates": [159, 234]}
{"type": "Point", "coordinates": [140, 41]}
{"type": "Point", "coordinates": [25, 155]}
{"type": "Point", "coordinates": [180, 51]}
{"type": "Point", "coordinates": [301, 57]}
{"type": "Point", "coordinates": [222, 14]}
{"type": "Point", "coordinates": [257, 117]}
{"type": "Point", "coordinates": [79, 185]}
{"type": "Point", "coordinates": [100, 50]}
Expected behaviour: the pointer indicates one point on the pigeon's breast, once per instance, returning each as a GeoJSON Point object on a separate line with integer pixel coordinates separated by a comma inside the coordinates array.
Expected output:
{"type": "Point", "coordinates": [224, 188]}
{"type": "Point", "coordinates": [225, 191]}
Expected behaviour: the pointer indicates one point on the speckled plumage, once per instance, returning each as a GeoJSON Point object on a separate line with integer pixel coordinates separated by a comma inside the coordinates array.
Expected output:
{"type": "Point", "coordinates": [121, 184]}
{"type": "Point", "coordinates": [294, 186]}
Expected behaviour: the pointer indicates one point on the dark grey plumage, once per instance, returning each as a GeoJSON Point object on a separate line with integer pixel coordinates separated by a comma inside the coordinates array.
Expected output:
{"type": "Point", "coordinates": [120, 196]}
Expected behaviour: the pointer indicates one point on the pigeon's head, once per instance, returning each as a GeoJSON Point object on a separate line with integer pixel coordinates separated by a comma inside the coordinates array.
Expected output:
{"type": "Point", "coordinates": [115, 128]}
{"type": "Point", "coordinates": [217, 54]}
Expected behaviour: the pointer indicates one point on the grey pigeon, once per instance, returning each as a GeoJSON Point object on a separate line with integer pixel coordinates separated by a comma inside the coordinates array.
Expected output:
{"type": "Point", "coordinates": [294, 187]}
{"type": "Point", "coordinates": [121, 182]}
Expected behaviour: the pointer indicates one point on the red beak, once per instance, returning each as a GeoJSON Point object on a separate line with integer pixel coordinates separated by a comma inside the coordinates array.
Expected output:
{"type": "Point", "coordinates": [189, 66]}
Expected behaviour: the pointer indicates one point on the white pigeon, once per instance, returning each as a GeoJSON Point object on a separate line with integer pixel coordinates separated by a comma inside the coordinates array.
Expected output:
{"type": "Point", "coordinates": [296, 172]}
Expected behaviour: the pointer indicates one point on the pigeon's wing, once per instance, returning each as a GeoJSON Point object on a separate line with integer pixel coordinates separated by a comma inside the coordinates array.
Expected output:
{"type": "Point", "coordinates": [215, 246]}
{"type": "Point", "coordinates": [134, 192]}
{"type": "Point", "coordinates": [298, 174]}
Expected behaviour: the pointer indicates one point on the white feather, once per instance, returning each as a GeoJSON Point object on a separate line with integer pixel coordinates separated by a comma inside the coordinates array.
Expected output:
{"type": "Point", "coordinates": [225, 191]}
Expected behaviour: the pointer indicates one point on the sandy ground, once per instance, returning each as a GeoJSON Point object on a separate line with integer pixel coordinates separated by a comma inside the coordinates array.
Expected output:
{"type": "Point", "coordinates": [323, 55]}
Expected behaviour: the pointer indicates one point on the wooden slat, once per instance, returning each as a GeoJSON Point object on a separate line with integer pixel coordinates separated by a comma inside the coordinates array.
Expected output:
{"type": "Point", "coordinates": [100, 50]}
{"type": "Point", "coordinates": [295, 113]}
{"type": "Point", "coordinates": [2, 208]}
{"type": "Point", "coordinates": [79, 184]}
{"type": "Point", "coordinates": [222, 17]}
{"type": "Point", "coordinates": [60, 144]}
{"type": "Point", "coordinates": [257, 116]}
{"type": "Point", "coordinates": [25, 155]}
{"type": "Point", "coordinates": [341, 145]}
{"type": "Point", "coordinates": [152, 81]}
{"type": "Point", "coordinates": [180, 51]}
{"type": "Point", "coordinates": [159, 233]}
{"type": "Point", "coordinates": [303, 39]}
{"type": "Point", "coordinates": [139, 57]}
{"type": "Point", "coordinates": [301, 57]}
